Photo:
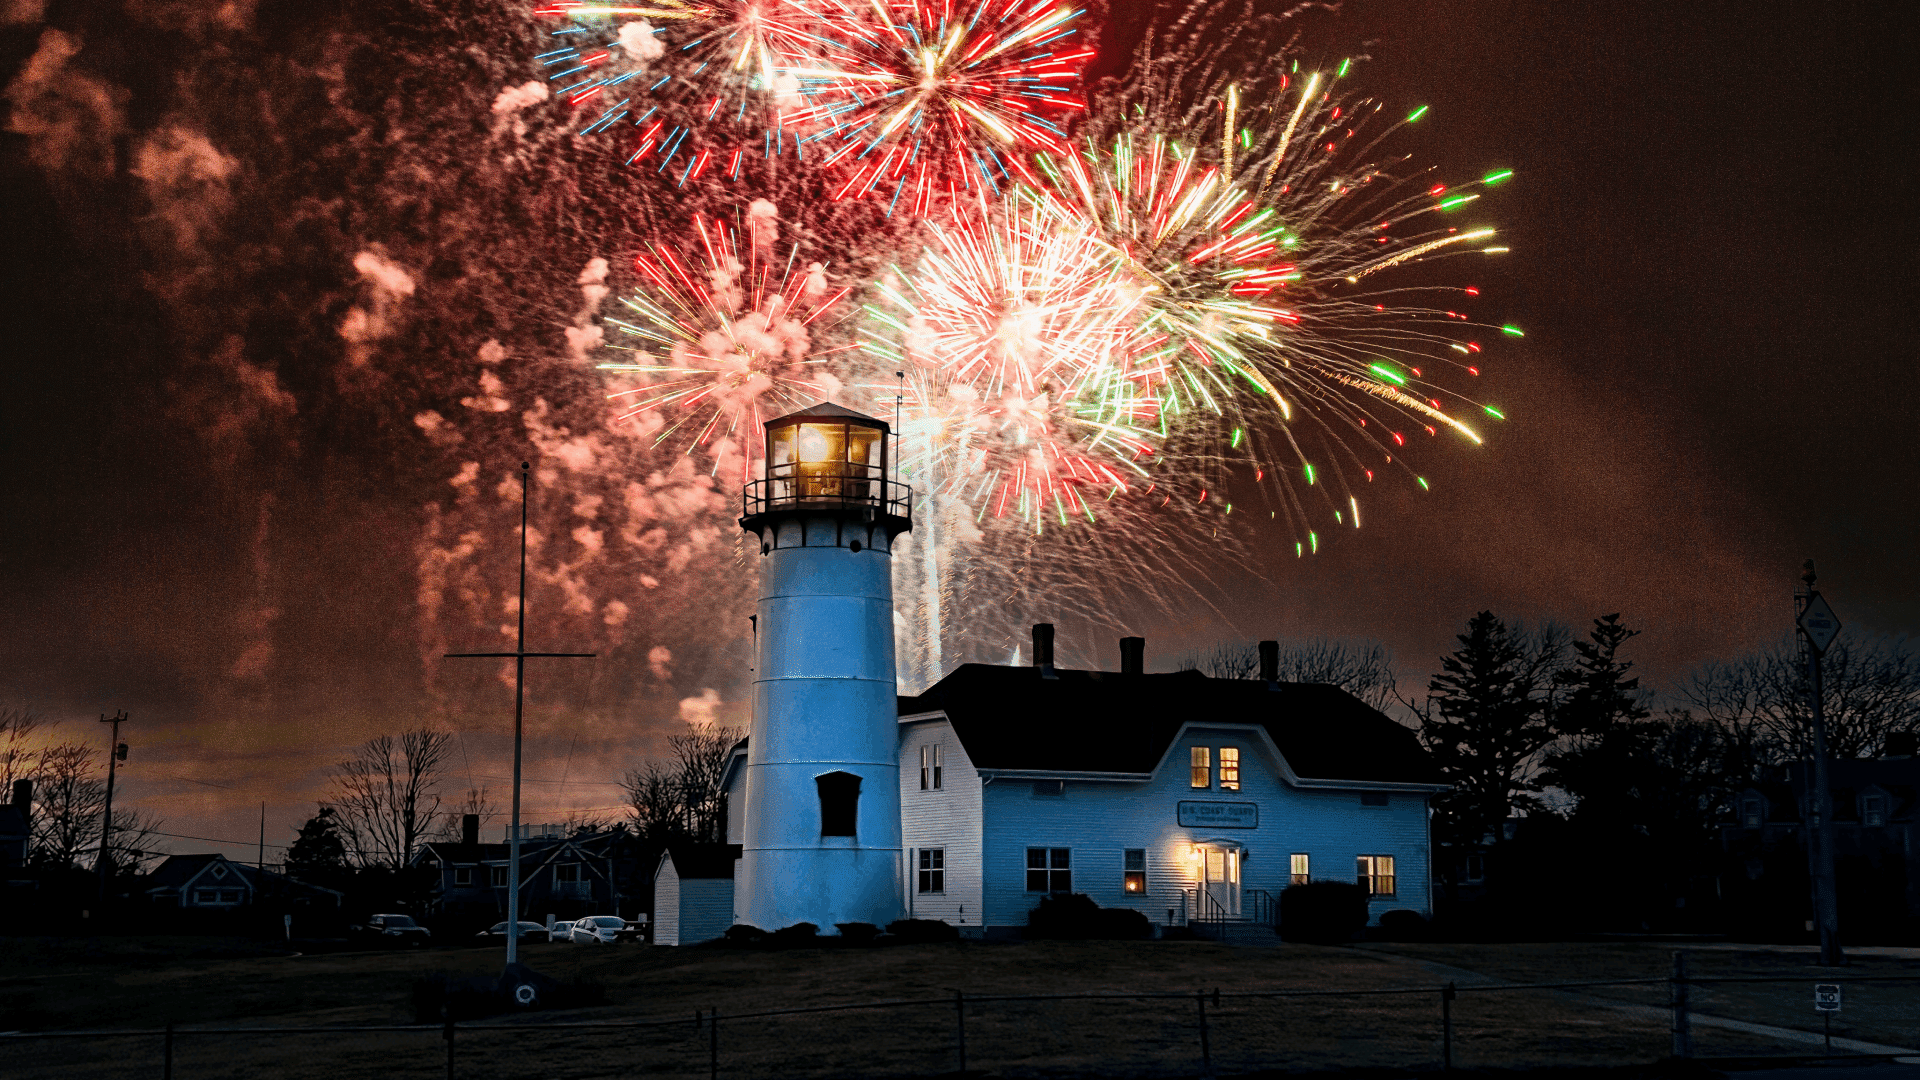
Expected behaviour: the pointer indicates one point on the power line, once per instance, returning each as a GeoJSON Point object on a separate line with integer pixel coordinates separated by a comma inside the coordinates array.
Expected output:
{"type": "Point", "coordinates": [215, 839]}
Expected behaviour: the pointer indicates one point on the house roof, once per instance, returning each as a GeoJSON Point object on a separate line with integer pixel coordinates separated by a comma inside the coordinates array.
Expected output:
{"type": "Point", "coordinates": [455, 853]}
{"type": "Point", "coordinates": [702, 860]}
{"type": "Point", "coordinates": [179, 870]}
{"type": "Point", "coordinates": [1013, 718]}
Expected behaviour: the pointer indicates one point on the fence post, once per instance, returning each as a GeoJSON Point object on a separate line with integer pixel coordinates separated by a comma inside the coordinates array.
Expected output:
{"type": "Point", "coordinates": [960, 1027]}
{"type": "Point", "coordinates": [1206, 1047]}
{"type": "Point", "coordinates": [713, 1045]}
{"type": "Point", "coordinates": [166, 1054]}
{"type": "Point", "coordinates": [1677, 993]}
{"type": "Point", "coordinates": [446, 1033]}
{"type": "Point", "coordinates": [1446, 1027]}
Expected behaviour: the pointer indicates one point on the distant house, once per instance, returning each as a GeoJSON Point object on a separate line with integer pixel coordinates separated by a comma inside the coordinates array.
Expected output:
{"type": "Point", "coordinates": [16, 826]}
{"type": "Point", "coordinates": [561, 875]}
{"type": "Point", "coordinates": [693, 893]}
{"type": "Point", "coordinates": [215, 883]}
{"type": "Point", "coordinates": [1876, 818]}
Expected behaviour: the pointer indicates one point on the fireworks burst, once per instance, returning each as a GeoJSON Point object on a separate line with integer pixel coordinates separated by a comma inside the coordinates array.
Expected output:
{"type": "Point", "coordinates": [922, 99]}
{"type": "Point", "coordinates": [729, 340]}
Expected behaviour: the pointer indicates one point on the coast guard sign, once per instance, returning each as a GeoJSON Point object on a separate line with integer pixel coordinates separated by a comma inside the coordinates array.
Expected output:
{"type": "Point", "coordinates": [1218, 815]}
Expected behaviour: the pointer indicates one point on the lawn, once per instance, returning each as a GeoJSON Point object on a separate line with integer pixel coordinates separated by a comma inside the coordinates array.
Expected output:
{"type": "Point", "coordinates": [48, 984]}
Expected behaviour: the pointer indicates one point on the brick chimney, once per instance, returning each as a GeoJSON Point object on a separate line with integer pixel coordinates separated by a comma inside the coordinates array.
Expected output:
{"type": "Point", "coordinates": [1133, 656]}
{"type": "Point", "coordinates": [1043, 649]}
{"type": "Point", "coordinates": [470, 828]}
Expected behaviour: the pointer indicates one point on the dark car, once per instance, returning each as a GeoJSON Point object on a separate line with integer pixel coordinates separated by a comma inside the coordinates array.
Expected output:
{"type": "Point", "coordinates": [529, 931]}
{"type": "Point", "coordinates": [393, 930]}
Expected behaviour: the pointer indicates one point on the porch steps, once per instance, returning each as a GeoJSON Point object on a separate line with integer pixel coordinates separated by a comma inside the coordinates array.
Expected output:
{"type": "Point", "coordinates": [1237, 933]}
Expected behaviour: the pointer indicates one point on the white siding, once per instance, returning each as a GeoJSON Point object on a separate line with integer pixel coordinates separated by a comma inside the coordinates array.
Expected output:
{"type": "Point", "coordinates": [1099, 820]}
{"type": "Point", "coordinates": [737, 801]}
{"type": "Point", "coordinates": [666, 904]}
{"type": "Point", "coordinates": [687, 911]}
{"type": "Point", "coordinates": [945, 817]}
{"type": "Point", "coordinates": [706, 908]}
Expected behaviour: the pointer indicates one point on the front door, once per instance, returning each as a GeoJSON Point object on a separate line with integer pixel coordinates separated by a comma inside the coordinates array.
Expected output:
{"type": "Point", "coordinates": [1221, 870]}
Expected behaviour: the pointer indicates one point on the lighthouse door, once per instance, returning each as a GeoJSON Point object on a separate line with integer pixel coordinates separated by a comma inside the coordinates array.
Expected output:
{"type": "Point", "coordinates": [1221, 870]}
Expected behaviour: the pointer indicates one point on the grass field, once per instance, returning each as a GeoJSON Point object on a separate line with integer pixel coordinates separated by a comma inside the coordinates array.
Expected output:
{"type": "Point", "coordinates": [65, 984]}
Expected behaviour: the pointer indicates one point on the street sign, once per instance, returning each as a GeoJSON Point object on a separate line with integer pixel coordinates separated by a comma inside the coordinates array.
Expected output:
{"type": "Point", "coordinates": [1820, 623]}
{"type": "Point", "coordinates": [1826, 997]}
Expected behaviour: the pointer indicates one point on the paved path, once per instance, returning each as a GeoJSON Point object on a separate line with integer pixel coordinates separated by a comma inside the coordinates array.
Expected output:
{"type": "Point", "coordinates": [1698, 1019]}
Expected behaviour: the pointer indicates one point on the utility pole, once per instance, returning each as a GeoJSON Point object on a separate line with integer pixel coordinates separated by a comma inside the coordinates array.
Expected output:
{"type": "Point", "coordinates": [519, 655]}
{"type": "Point", "coordinates": [115, 754]}
{"type": "Point", "coordinates": [1818, 627]}
{"type": "Point", "coordinates": [260, 856]}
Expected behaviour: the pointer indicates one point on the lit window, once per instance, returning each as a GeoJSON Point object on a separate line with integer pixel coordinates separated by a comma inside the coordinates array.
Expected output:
{"type": "Point", "coordinates": [1202, 767]}
{"type": "Point", "coordinates": [1136, 870]}
{"type": "Point", "coordinates": [1299, 870]}
{"type": "Point", "coordinates": [1375, 874]}
{"type": "Point", "coordinates": [1873, 809]}
{"type": "Point", "coordinates": [933, 870]}
{"type": "Point", "coordinates": [930, 767]}
{"type": "Point", "coordinates": [463, 875]}
{"type": "Point", "coordinates": [839, 803]}
{"type": "Point", "coordinates": [1229, 768]}
{"type": "Point", "coordinates": [1049, 870]}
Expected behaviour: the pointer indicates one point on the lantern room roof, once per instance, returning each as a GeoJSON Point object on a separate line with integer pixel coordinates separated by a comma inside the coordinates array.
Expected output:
{"type": "Point", "coordinates": [827, 410]}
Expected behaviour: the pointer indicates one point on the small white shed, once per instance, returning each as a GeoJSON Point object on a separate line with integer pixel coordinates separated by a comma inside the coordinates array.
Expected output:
{"type": "Point", "coordinates": [693, 893]}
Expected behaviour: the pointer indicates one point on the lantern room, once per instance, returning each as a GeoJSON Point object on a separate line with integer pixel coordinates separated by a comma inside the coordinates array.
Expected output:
{"type": "Point", "coordinates": [827, 458]}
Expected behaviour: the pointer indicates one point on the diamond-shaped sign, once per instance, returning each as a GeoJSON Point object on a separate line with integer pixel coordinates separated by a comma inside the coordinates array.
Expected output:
{"type": "Point", "coordinates": [1819, 622]}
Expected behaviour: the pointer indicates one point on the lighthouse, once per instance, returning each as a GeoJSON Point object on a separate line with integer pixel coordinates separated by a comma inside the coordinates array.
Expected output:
{"type": "Point", "coordinates": [820, 829]}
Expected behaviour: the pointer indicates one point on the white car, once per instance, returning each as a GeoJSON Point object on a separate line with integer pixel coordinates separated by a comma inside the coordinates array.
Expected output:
{"type": "Point", "coordinates": [561, 930]}
{"type": "Point", "coordinates": [598, 929]}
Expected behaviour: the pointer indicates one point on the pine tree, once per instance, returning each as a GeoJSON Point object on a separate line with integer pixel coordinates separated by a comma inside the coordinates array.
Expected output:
{"type": "Point", "coordinates": [318, 851]}
{"type": "Point", "coordinates": [1487, 716]}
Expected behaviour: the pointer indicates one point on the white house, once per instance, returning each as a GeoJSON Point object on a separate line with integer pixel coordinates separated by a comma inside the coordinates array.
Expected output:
{"type": "Point", "coordinates": [1178, 795]}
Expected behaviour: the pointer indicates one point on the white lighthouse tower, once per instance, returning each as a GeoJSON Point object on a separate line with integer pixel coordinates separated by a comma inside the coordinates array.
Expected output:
{"type": "Point", "coordinates": [820, 836]}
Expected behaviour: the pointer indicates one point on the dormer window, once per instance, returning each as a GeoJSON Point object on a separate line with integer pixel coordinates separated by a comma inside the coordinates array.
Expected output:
{"type": "Point", "coordinates": [1873, 809]}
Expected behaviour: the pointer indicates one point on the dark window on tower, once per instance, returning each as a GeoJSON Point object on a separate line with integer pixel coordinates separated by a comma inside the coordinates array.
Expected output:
{"type": "Point", "coordinates": [839, 803]}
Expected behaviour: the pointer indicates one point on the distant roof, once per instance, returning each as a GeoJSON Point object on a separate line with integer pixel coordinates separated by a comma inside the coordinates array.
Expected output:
{"type": "Point", "coordinates": [1101, 721]}
{"type": "Point", "coordinates": [180, 869]}
{"type": "Point", "coordinates": [826, 409]}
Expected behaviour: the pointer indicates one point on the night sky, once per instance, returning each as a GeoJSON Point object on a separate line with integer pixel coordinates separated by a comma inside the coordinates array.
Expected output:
{"type": "Point", "coordinates": [250, 247]}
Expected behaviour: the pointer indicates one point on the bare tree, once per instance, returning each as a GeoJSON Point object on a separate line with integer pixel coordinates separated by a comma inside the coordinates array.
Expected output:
{"type": "Point", "coordinates": [683, 799]}
{"type": "Point", "coordinates": [1761, 701]}
{"type": "Point", "coordinates": [388, 795]}
{"type": "Point", "coordinates": [18, 749]}
{"type": "Point", "coordinates": [1361, 668]}
{"type": "Point", "coordinates": [70, 794]}
{"type": "Point", "coordinates": [477, 802]}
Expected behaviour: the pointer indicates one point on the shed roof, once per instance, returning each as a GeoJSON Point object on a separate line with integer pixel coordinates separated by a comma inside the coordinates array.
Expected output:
{"type": "Point", "coordinates": [1099, 721]}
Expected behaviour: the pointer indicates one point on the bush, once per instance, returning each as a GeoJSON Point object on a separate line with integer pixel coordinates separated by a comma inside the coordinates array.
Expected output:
{"type": "Point", "coordinates": [857, 933]}
{"type": "Point", "coordinates": [745, 934]}
{"type": "Point", "coordinates": [1077, 918]}
{"type": "Point", "coordinates": [920, 930]}
{"type": "Point", "coordinates": [1403, 924]}
{"type": "Point", "coordinates": [1323, 912]}
{"type": "Point", "coordinates": [796, 936]}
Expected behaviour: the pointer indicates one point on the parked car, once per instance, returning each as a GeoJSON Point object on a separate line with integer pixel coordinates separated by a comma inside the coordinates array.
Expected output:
{"type": "Point", "coordinates": [635, 930]}
{"type": "Point", "coordinates": [598, 930]}
{"type": "Point", "coordinates": [561, 930]}
{"type": "Point", "coordinates": [392, 930]}
{"type": "Point", "coordinates": [529, 931]}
